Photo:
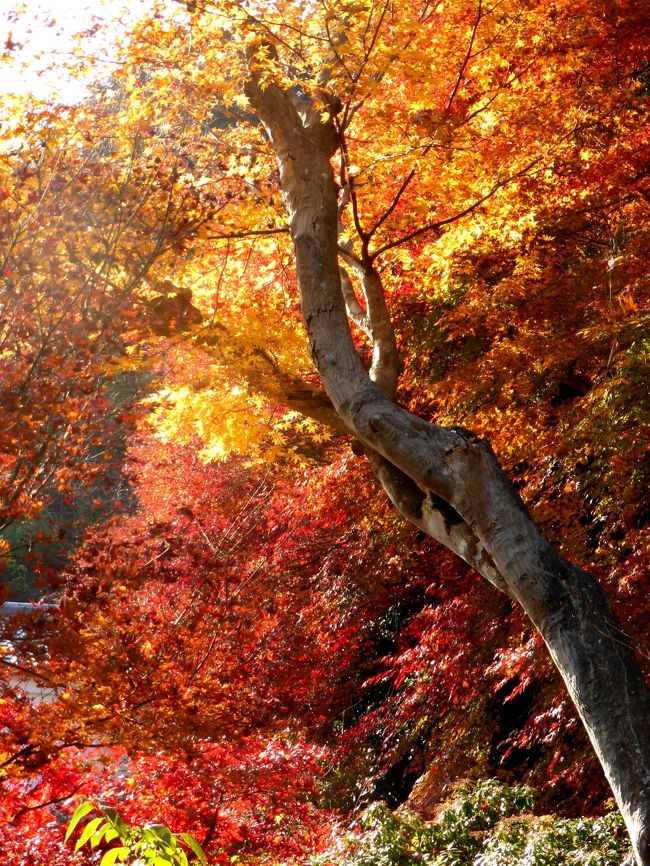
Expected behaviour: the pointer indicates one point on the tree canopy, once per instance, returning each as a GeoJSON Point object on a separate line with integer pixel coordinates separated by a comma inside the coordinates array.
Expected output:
{"type": "Point", "coordinates": [288, 258]}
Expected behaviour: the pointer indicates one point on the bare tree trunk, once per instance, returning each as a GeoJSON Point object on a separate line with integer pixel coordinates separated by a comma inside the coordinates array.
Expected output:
{"type": "Point", "coordinates": [449, 483]}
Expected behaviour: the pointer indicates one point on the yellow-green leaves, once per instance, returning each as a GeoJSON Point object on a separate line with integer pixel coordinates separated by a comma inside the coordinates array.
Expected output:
{"type": "Point", "coordinates": [152, 844]}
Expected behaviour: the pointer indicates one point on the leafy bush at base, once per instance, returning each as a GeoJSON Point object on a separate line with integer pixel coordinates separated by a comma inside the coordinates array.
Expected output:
{"type": "Point", "coordinates": [484, 825]}
{"type": "Point", "coordinates": [555, 842]}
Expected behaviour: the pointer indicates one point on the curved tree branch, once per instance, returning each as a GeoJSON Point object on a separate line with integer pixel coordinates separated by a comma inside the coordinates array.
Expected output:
{"type": "Point", "coordinates": [375, 322]}
{"type": "Point", "coordinates": [356, 313]}
{"type": "Point", "coordinates": [436, 518]}
{"type": "Point", "coordinates": [566, 605]}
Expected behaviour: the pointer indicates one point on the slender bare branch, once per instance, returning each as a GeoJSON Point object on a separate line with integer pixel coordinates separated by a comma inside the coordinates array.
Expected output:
{"type": "Point", "coordinates": [391, 207]}
{"type": "Point", "coordinates": [466, 59]}
{"type": "Point", "coordinates": [438, 224]}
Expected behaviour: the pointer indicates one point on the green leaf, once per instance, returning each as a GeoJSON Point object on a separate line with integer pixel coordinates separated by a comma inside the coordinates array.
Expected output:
{"type": "Point", "coordinates": [194, 845]}
{"type": "Point", "coordinates": [96, 838]}
{"type": "Point", "coordinates": [115, 821]}
{"type": "Point", "coordinates": [115, 854]}
{"type": "Point", "coordinates": [89, 829]}
{"type": "Point", "coordinates": [161, 832]}
{"type": "Point", "coordinates": [111, 834]}
{"type": "Point", "coordinates": [80, 812]}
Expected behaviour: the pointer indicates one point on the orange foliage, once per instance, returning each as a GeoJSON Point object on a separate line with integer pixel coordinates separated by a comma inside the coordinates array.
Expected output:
{"type": "Point", "coordinates": [257, 609]}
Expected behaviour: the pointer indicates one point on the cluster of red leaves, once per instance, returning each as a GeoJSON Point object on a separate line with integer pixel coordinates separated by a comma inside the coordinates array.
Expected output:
{"type": "Point", "coordinates": [261, 645]}
{"type": "Point", "coordinates": [235, 798]}
{"type": "Point", "coordinates": [195, 629]}
{"type": "Point", "coordinates": [255, 637]}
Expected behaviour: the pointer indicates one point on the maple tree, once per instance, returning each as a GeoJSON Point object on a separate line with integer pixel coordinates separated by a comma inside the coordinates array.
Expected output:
{"type": "Point", "coordinates": [447, 163]}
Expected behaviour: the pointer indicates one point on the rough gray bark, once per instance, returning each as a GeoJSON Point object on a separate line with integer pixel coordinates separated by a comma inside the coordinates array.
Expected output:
{"type": "Point", "coordinates": [449, 483]}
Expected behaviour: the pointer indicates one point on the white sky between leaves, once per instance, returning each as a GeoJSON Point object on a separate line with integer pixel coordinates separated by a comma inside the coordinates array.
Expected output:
{"type": "Point", "coordinates": [37, 41]}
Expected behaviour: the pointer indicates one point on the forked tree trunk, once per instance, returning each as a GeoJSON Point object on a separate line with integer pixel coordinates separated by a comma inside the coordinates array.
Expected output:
{"type": "Point", "coordinates": [449, 483]}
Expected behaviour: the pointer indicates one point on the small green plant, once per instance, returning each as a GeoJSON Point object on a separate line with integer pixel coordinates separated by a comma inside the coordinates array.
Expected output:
{"type": "Point", "coordinates": [151, 845]}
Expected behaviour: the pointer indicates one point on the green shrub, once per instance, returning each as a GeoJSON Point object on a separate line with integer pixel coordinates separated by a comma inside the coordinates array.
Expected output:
{"type": "Point", "coordinates": [555, 842]}
{"type": "Point", "coordinates": [483, 825]}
